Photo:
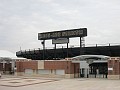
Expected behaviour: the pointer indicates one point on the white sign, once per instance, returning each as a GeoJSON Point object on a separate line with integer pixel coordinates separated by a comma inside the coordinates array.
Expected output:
{"type": "Point", "coordinates": [110, 68]}
{"type": "Point", "coordinates": [60, 41]}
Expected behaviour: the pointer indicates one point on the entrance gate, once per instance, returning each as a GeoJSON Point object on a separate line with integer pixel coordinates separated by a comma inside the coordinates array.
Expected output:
{"type": "Point", "coordinates": [93, 66]}
{"type": "Point", "coordinates": [98, 70]}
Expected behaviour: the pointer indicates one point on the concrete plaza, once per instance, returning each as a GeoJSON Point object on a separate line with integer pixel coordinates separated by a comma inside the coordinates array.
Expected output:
{"type": "Point", "coordinates": [38, 83]}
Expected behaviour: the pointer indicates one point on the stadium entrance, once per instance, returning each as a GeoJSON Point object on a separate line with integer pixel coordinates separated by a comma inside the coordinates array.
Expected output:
{"type": "Point", "coordinates": [92, 66]}
{"type": "Point", "coordinates": [98, 70]}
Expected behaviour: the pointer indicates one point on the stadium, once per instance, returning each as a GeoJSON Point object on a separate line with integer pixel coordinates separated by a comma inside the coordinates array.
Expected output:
{"type": "Point", "coordinates": [95, 61]}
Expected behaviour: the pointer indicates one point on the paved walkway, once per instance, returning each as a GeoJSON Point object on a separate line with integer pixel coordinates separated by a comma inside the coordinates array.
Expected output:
{"type": "Point", "coordinates": [37, 83]}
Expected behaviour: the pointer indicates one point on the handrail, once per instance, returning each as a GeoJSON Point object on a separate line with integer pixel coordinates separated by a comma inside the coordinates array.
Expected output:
{"type": "Point", "coordinates": [71, 46]}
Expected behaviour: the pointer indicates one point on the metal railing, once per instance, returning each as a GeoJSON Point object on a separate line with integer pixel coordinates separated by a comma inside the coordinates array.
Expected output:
{"type": "Point", "coordinates": [70, 46]}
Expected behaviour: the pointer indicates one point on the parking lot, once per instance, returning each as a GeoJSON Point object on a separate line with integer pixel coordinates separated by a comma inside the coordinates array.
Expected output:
{"type": "Point", "coordinates": [39, 83]}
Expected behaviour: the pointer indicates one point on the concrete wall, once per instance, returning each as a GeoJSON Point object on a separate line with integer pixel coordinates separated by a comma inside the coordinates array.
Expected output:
{"type": "Point", "coordinates": [40, 64]}
{"type": "Point", "coordinates": [84, 64]}
{"type": "Point", "coordinates": [114, 77]}
{"type": "Point", "coordinates": [51, 75]}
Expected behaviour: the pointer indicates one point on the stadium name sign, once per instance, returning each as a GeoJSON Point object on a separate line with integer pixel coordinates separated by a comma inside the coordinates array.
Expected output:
{"type": "Point", "coordinates": [81, 32]}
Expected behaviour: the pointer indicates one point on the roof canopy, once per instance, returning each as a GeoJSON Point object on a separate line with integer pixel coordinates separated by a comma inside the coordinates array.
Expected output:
{"type": "Point", "coordinates": [94, 57]}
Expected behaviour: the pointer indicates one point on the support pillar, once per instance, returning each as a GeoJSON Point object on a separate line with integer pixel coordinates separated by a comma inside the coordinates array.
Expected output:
{"type": "Point", "coordinates": [67, 50]}
{"type": "Point", "coordinates": [55, 52]}
{"type": "Point", "coordinates": [80, 45]}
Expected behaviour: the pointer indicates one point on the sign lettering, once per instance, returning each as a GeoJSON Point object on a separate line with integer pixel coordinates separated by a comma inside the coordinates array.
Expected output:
{"type": "Point", "coordinates": [82, 32]}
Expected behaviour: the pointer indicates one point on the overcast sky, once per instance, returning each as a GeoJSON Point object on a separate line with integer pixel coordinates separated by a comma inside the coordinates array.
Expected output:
{"type": "Point", "coordinates": [22, 20]}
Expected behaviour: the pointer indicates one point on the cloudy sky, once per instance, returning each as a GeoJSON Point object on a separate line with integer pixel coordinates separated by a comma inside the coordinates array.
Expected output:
{"type": "Point", "coordinates": [22, 20]}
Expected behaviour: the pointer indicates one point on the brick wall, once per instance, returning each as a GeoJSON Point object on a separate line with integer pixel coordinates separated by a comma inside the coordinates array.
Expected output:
{"type": "Point", "coordinates": [114, 63]}
{"type": "Point", "coordinates": [68, 66]}
{"type": "Point", "coordinates": [58, 65]}
{"type": "Point", "coordinates": [22, 65]}
{"type": "Point", "coordinates": [76, 67]}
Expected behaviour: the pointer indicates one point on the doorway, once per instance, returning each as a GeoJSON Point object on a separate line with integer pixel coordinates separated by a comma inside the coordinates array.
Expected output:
{"type": "Point", "coordinates": [98, 70]}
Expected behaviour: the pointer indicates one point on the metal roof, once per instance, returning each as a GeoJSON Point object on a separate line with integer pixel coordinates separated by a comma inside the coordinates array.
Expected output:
{"type": "Point", "coordinates": [94, 57]}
